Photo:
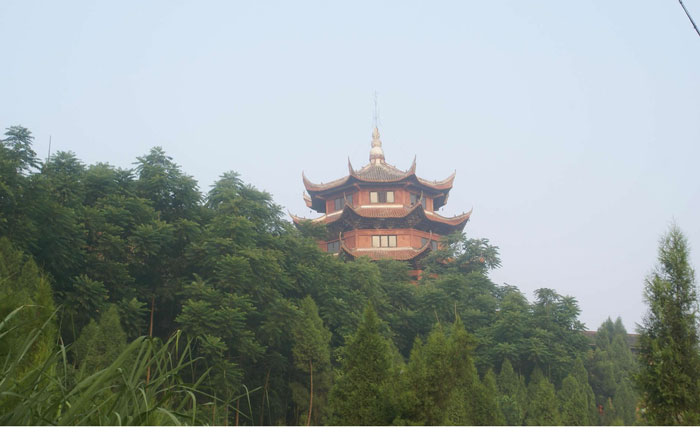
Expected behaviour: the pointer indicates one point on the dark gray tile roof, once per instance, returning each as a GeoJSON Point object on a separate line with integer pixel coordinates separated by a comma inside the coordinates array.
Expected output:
{"type": "Point", "coordinates": [380, 172]}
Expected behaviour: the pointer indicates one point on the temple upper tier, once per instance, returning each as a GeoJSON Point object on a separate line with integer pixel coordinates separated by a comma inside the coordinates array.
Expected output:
{"type": "Point", "coordinates": [381, 211]}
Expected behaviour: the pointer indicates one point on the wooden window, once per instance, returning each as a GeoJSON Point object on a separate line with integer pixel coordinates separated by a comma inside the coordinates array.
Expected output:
{"type": "Point", "coordinates": [381, 197]}
{"type": "Point", "coordinates": [384, 241]}
{"type": "Point", "coordinates": [339, 203]}
{"type": "Point", "coordinates": [414, 199]}
{"type": "Point", "coordinates": [333, 246]}
{"type": "Point", "coordinates": [433, 243]}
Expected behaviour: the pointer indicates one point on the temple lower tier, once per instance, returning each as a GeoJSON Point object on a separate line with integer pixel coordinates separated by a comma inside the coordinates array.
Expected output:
{"type": "Point", "coordinates": [399, 244]}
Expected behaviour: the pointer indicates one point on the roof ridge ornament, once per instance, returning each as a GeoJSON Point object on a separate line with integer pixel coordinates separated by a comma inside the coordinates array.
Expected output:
{"type": "Point", "coordinates": [376, 154]}
{"type": "Point", "coordinates": [412, 169]}
{"type": "Point", "coordinates": [350, 169]}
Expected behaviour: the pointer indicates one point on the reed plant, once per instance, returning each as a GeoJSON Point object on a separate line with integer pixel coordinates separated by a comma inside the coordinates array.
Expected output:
{"type": "Point", "coordinates": [143, 386]}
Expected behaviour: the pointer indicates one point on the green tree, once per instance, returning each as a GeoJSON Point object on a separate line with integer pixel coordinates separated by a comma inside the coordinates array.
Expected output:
{"type": "Point", "coordinates": [612, 367]}
{"type": "Point", "coordinates": [460, 254]}
{"type": "Point", "coordinates": [25, 289]}
{"type": "Point", "coordinates": [543, 406]}
{"type": "Point", "coordinates": [509, 331]}
{"type": "Point", "coordinates": [17, 205]}
{"type": "Point", "coordinates": [360, 395]}
{"type": "Point", "coordinates": [574, 404]}
{"type": "Point", "coordinates": [100, 343]}
{"type": "Point", "coordinates": [432, 374]}
{"type": "Point", "coordinates": [581, 374]}
{"type": "Point", "coordinates": [311, 353]}
{"type": "Point", "coordinates": [669, 376]}
{"type": "Point", "coordinates": [626, 402]}
{"type": "Point", "coordinates": [492, 414]}
{"type": "Point", "coordinates": [444, 382]}
{"type": "Point", "coordinates": [513, 395]}
{"type": "Point", "coordinates": [557, 338]}
{"type": "Point", "coordinates": [173, 193]}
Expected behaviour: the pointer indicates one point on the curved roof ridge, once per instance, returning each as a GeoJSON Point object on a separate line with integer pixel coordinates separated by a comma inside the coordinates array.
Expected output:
{"type": "Point", "coordinates": [454, 220]}
{"type": "Point", "coordinates": [382, 172]}
{"type": "Point", "coordinates": [321, 186]}
{"type": "Point", "coordinates": [297, 219]}
{"type": "Point", "coordinates": [439, 184]}
{"type": "Point", "coordinates": [379, 173]}
{"type": "Point", "coordinates": [392, 212]}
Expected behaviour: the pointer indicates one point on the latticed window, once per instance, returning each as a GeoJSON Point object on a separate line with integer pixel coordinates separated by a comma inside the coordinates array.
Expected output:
{"type": "Point", "coordinates": [383, 241]}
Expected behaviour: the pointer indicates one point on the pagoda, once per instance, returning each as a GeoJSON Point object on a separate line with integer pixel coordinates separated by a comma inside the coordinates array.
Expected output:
{"type": "Point", "coordinates": [382, 212]}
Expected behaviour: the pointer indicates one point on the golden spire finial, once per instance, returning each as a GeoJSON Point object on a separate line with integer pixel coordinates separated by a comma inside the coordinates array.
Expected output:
{"type": "Point", "coordinates": [376, 154]}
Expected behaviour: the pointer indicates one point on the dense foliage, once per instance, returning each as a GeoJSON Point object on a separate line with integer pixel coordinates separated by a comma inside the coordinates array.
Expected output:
{"type": "Point", "coordinates": [670, 375]}
{"type": "Point", "coordinates": [99, 264]}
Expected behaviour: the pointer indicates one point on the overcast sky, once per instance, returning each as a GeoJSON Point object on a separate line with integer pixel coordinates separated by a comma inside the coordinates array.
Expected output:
{"type": "Point", "coordinates": [574, 127]}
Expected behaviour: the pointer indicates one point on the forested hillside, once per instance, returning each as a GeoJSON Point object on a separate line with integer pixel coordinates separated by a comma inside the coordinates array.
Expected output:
{"type": "Point", "coordinates": [128, 296]}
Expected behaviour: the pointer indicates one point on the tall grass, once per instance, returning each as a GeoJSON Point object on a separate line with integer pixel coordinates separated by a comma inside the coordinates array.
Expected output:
{"type": "Point", "coordinates": [118, 395]}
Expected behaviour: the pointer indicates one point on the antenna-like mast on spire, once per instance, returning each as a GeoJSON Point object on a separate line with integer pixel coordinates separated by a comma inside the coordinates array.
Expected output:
{"type": "Point", "coordinates": [376, 154]}
{"type": "Point", "coordinates": [376, 110]}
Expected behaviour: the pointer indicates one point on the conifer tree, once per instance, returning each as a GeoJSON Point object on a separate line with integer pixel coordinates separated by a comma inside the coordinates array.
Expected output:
{"type": "Point", "coordinates": [581, 374]}
{"type": "Point", "coordinates": [573, 402]}
{"type": "Point", "coordinates": [512, 395]}
{"type": "Point", "coordinates": [543, 406]}
{"type": "Point", "coordinates": [470, 403]}
{"type": "Point", "coordinates": [432, 377]}
{"type": "Point", "coordinates": [626, 402]}
{"type": "Point", "coordinates": [443, 382]}
{"type": "Point", "coordinates": [612, 367]}
{"type": "Point", "coordinates": [360, 395]}
{"type": "Point", "coordinates": [492, 411]}
{"type": "Point", "coordinates": [312, 354]}
{"type": "Point", "coordinates": [669, 378]}
{"type": "Point", "coordinates": [100, 343]}
{"type": "Point", "coordinates": [23, 287]}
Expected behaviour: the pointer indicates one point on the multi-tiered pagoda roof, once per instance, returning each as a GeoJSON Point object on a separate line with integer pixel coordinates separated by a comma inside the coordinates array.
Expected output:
{"type": "Point", "coordinates": [381, 211]}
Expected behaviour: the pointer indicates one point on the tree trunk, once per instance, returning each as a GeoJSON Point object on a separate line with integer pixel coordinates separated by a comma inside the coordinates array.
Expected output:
{"type": "Point", "coordinates": [150, 334]}
{"type": "Point", "coordinates": [311, 392]}
{"type": "Point", "coordinates": [262, 406]}
{"type": "Point", "coordinates": [238, 405]}
{"type": "Point", "coordinates": [153, 307]}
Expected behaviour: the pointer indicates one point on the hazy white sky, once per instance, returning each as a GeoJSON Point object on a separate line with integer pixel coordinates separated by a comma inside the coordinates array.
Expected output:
{"type": "Point", "coordinates": [574, 127]}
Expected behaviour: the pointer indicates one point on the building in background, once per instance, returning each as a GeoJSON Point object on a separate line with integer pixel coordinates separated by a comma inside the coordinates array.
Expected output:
{"type": "Point", "coordinates": [382, 212]}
